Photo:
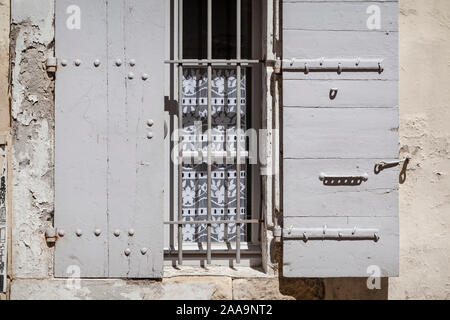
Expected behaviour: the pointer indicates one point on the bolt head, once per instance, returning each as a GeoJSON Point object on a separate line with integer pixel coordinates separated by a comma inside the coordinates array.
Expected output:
{"type": "Point", "coordinates": [97, 232]}
{"type": "Point", "coordinates": [127, 252]}
{"type": "Point", "coordinates": [150, 135]}
{"type": "Point", "coordinates": [61, 233]}
{"type": "Point", "coordinates": [64, 62]}
{"type": "Point", "coordinates": [132, 62]}
{"type": "Point", "coordinates": [77, 62]}
{"type": "Point", "coordinates": [117, 233]}
{"type": "Point", "coordinates": [150, 122]}
{"type": "Point", "coordinates": [118, 62]}
{"type": "Point", "coordinates": [79, 233]}
{"type": "Point", "coordinates": [144, 76]}
{"type": "Point", "coordinates": [144, 251]}
{"type": "Point", "coordinates": [131, 232]}
{"type": "Point", "coordinates": [97, 63]}
{"type": "Point", "coordinates": [131, 75]}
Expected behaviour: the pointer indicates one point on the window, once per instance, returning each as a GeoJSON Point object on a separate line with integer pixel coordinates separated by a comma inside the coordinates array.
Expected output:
{"type": "Point", "coordinates": [214, 202]}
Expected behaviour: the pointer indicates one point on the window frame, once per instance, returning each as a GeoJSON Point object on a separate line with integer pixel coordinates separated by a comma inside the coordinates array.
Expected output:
{"type": "Point", "coordinates": [223, 252]}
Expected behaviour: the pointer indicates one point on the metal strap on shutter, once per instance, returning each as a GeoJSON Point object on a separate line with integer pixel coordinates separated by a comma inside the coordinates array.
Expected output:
{"type": "Point", "coordinates": [340, 119]}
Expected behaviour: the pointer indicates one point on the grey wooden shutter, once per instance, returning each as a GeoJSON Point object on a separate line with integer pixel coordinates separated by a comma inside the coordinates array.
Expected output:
{"type": "Point", "coordinates": [109, 138]}
{"type": "Point", "coordinates": [340, 117]}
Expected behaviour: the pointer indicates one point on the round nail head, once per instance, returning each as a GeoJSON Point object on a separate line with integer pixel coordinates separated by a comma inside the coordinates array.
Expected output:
{"type": "Point", "coordinates": [61, 233]}
{"type": "Point", "coordinates": [77, 62]}
{"type": "Point", "coordinates": [131, 75]}
{"type": "Point", "coordinates": [131, 232]}
{"type": "Point", "coordinates": [144, 251]}
{"type": "Point", "coordinates": [144, 76]}
{"type": "Point", "coordinates": [79, 233]}
{"type": "Point", "coordinates": [127, 252]}
{"type": "Point", "coordinates": [97, 63]}
{"type": "Point", "coordinates": [150, 122]}
{"type": "Point", "coordinates": [150, 135]}
{"type": "Point", "coordinates": [118, 62]}
{"type": "Point", "coordinates": [64, 63]}
{"type": "Point", "coordinates": [117, 233]}
{"type": "Point", "coordinates": [132, 62]}
{"type": "Point", "coordinates": [97, 232]}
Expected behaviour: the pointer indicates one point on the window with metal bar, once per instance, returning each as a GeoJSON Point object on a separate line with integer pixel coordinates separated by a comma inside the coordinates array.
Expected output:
{"type": "Point", "coordinates": [214, 208]}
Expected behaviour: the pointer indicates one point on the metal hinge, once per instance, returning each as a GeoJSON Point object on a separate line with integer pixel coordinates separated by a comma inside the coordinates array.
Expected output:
{"type": "Point", "coordinates": [51, 64]}
{"type": "Point", "coordinates": [325, 233]}
{"type": "Point", "coordinates": [332, 65]}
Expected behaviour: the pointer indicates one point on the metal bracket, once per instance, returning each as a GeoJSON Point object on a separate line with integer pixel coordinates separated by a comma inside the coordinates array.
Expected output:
{"type": "Point", "coordinates": [51, 64]}
{"type": "Point", "coordinates": [331, 234]}
{"type": "Point", "coordinates": [51, 236]}
{"type": "Point", "coordinates": [333, 65]}
{"type": "Point", "coordinates": [380, 166]}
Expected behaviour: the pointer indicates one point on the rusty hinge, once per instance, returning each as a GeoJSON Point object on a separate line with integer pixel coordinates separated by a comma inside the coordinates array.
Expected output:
{"type": "Point", "coordinates": [51, 64]}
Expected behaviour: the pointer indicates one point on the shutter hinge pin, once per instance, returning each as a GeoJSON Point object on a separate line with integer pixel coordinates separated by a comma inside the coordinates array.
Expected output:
{"type": "Point", "coordinates": [51, 64]}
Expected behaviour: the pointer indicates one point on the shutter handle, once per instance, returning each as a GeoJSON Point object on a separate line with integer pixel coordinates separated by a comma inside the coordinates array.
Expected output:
{"type": "Point", "coordinates": [380, 166]}
{"type": "Point", "coordinates": [351, 180]}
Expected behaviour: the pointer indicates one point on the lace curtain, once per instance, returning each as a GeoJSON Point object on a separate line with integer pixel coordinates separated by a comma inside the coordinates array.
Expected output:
{"type": "Point", "coordinates": [194, 175]}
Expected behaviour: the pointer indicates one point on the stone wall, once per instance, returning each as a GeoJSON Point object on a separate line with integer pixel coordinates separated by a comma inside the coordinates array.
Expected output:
{"type": "Point", "coordinates": [424, 197]}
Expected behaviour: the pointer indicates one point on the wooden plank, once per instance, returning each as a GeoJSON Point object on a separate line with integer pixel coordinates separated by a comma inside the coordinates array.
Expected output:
{"type": "Point", "coordinates": [340, 133]}
{"type": "Point", "coordinates": [378, 196]}
{"type": "Point", "coordinates": [137, 162]}
{"type": "Point", "coordinates": [350, 94]}
{"type": "Point", "coordinates": [338, 16]}
{"type": "Point", "coordinates": [81, 141]}
{"type": "Point", "coordinates": [331, 258]}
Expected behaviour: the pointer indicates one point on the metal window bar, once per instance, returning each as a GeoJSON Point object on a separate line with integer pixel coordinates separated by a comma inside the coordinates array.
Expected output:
{"type": "Point", "coordinates": [210, 62]}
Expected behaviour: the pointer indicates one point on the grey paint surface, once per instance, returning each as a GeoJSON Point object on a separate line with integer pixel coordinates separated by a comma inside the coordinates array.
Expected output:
{"type": "Point", "coordinates": [344, 136]}
{"type": "Point", "coordinates": [109, 174]}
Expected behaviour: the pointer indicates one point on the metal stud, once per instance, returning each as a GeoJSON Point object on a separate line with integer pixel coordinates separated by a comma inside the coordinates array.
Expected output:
{"type": "Point", "coordinates": [144, 76]}
{"type": "Point", "coordinates": [98, 232]}
{"type": "Point", "coordinates": [131, 232]}
{"type": "Point", "coordinates": [64, 62]}
{"type": "Point", "coordinates": [79, 233]}
{"type": "Point", "coordinates": [77, 62]}
{"type": "Point", "coordinates": [150, 135]}
{"type": "Point", "coordinates": [97, 63]}
{"type": "Point", "coordinates": [144, 251]}
{"type": "Point", "coordinates": [127, 252]}
{"type": "Point", "coordinates": [150, 122]}
{"type": "Point", "coordinates": [61, 233]}
{"type": "Point", "coordinates": [117, 232]}
{"type": "Point", "coordinates": [132, 62]}
{"type": "Point", "coordinates": [130, 75]}
{"type": "Point", "coordinates": [118, 62]}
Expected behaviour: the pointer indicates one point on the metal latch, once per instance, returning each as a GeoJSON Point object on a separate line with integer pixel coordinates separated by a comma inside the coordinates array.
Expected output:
{"type": "Point", "coordinates": [380, 166]}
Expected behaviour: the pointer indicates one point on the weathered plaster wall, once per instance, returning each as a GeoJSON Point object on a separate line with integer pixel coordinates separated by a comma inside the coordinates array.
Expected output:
{"type": "Point", "coordinates": [425, 135]}
{"type": "Point", "coordinates": [4, 65]}
{"type": "Point", "coordinates": [32, 130]}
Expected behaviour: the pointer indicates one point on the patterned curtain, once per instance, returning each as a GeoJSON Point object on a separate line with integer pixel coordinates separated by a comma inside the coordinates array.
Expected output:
{"type": "Point", "coordinates": [223, 187]}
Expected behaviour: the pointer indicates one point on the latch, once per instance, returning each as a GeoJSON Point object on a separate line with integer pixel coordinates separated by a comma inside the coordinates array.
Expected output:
{"type": "Point", "coordinates": [380, 166]}
{"type": "Point", "coordinates": [327, 234]}
{"type": "Point", "coordinates": [51, 64]}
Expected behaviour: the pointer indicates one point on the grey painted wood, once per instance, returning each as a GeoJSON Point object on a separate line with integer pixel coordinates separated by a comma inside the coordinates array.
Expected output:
{"type": "Point", "coordinates": [337, 16]}
{"type": "Point", "coordinates": [136, 177]}
{"type": "Point", "coordinates": [81, 141]}
{"type": "Point", "coordinates": [375, 197]}
{"type": "Point", "coordinates": [323, 259]}
{"type": "Point", "coordinates": [109, 173]}
{"type": "Point", "coordinates": [341, 136]}
{"type": "Point", "coordinates": [350, 94]}
{"type": "Point", "coordinates": [340, 133]}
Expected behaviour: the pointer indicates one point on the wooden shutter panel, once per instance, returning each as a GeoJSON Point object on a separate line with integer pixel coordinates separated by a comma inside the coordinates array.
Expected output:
{"type": "Point", "coordinates": [109, 138]}
{"type": "Point", "coordinates": [340, 118]}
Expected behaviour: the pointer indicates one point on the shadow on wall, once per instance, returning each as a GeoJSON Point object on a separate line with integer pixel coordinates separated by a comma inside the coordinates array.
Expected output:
{"type": "Point", "coordinates": [328, 288]}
